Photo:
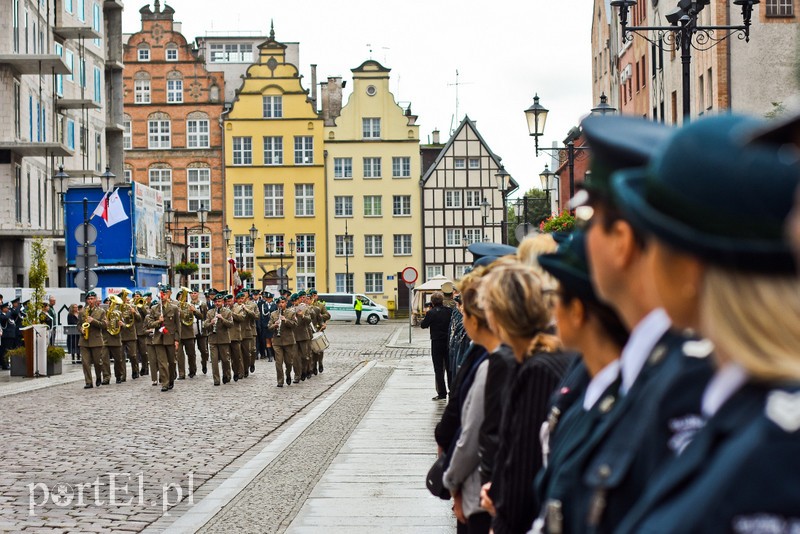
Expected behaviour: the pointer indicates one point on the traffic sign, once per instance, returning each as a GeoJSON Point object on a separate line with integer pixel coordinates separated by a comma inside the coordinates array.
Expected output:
{"type": "Point", "coordinates": [91, 233]}
{"type": "Point", "coordinates": [80, 261]}
{"type": "Point", "coordinates": [409, 275]}
{"type": "Point", "coordinates": [92, 280]}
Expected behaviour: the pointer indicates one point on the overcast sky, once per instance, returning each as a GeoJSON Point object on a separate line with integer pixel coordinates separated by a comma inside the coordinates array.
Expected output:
{"type": "Point", "coordinates": [504, 51]}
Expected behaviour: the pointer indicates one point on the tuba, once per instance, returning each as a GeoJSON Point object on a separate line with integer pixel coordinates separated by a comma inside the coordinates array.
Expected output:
{"type": "Point", "coordinates": [85, 325]}
{"type": "Point", "coordinates": [187, 318]}
{"type": "Point", "coordinates": [114, 315]}
{"type": "Point", "coordinates": [127, 310]}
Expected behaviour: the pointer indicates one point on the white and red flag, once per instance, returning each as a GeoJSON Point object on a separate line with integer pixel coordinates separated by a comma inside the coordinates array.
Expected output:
{"type": "Point", "coordinates": [110, 209]}
{"type": "Point", "coordinates": [236, 281]}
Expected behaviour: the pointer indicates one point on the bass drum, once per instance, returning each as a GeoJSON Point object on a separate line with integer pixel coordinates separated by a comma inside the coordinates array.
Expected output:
{"type": "Point", "coordinates": [319, 342]}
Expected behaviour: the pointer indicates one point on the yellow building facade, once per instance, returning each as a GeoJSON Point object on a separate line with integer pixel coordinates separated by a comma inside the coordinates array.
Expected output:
{"type": "Point", "coordinates": [372, 175]}
{"type": "Point", "coordinates": [275, 177]}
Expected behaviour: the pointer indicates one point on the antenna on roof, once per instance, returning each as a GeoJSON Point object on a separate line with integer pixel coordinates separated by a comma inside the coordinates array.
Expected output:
{"type": "Point", "coordinates": [457, 101]}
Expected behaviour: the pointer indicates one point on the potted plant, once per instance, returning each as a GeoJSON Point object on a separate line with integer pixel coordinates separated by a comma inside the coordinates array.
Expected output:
{"type": "Point", "coordinates": [564, 222]}
{"type": "Point", "coordinates": [19, 362]}
{"type": "Point", "coordinates": [54, 357]}
{"type": "Point", "coordinates": [186, 268]}
{"type": "Point", "coordinates": [245, 276]}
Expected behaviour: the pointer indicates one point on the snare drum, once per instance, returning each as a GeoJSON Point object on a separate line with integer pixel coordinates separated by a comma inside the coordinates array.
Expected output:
{"type": "Point", "coordinates": [319, 342]}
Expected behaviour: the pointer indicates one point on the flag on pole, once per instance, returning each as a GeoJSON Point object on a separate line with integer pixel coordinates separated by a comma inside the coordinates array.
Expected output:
{"type": "Point", "coordinates": [236, 281]}
{"type": "Point", "coordinates": [110, 209]}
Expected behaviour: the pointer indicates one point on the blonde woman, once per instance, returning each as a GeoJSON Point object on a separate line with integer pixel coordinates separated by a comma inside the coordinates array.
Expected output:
{"type": "Point", "coordinates": [516, 312]}
{"type": "Point", "coordinates": [730, 272]}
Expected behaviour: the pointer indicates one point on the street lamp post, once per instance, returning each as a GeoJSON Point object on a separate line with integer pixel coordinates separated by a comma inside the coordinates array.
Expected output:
{"type": "Point", "coordinates": [547, 178]}
{"type": "Point", "coordinates": [347, 288]}
{"type": "Point", "coordinates": [253, 236]}
{"type": "Point", "coordinates": [536, 116]}
{"type": "Point", "coordinates": [684, 33]}
{"type": "Point", "coordinates": [226, 235]}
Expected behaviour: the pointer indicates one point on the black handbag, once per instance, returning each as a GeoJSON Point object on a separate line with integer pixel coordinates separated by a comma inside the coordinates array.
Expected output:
{"type": "Point", "coordinates": [435, 475]}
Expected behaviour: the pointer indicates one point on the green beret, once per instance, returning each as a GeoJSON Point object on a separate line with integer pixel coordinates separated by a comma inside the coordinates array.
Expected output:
{"type": "Point", "coordinates": [219, 296]}
{"type": "Point", "coordinates": [89, 294]}
{"type": "Point", "coordinates": [240, 294]}
{"type": "Point", "coordinates": [312, 291]}
{"type": "Point", "coordinates": [294, 296]}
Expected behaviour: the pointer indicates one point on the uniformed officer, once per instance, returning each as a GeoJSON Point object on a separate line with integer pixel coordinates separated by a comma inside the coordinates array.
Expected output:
{"type": "Point", "coordinates": [17, 314]}
{"type": "Point", "coordinates": [165, 321]}
{"type": "Point", "coordinates": [186, 349]}
{"type": "Point", "coordinates": [218, 323]}
{"type": "Point", "coordinates": [112, 337]}
{"type": "Point", "coordinates": [236, 336]}
{"type": "Point", "coordinates": [302, 336]}
{"type": "Point", "coordinates": [267, 307]}
{"type": "Point", "coordinates": [282, 322]}
{"type": "Point", "coordinates": [248, 333]}
{"type": "Point", "coordinates": [128, 335]}
{"type": "Point", "coordinates": [143, 336]}
{"type": "Point", "coordinates": [201, 336]}
{"type": "Point", "coordinates": [92, 325]}
{"type": "Point", "coordinates": [322, 318]}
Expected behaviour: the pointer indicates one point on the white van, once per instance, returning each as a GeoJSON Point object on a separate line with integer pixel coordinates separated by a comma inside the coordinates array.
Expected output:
{"type": "Point", "coordinates": [340, 306]}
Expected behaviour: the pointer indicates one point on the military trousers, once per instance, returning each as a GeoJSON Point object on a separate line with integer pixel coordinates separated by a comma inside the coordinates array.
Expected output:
{"type": "Point", "coordinates": [165, 356]}
{"type": "Point", "coordinates": [236, 358]}
{"type": "Point", "coordinates": [248, 353]}
{"type": "Point", "coordinates": [92, 357]}
{"type": "Point", "coordinates": [115, 353]}
{"type": "Point", "coordinates": [141, 352]}
{"type": "Point", "coordinates": [130, 349]}
{"type": "Point", "coordinates": [202, 344]}
{"type": "Point", "coordinates": [152, 362]}
{"type": "Point", "coordinates": [285, 356]}
{"type": "Point", "coordinates": [316, 361]}
{"type": "Point", "coordinates": [220, 352]}
{"type": "Point", "coordinates": [186, 351]}
{"type": "Point", "coordinates": [303, 360]}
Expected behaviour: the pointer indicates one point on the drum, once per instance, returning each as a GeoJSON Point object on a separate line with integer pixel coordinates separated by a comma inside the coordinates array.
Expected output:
{"type": "Point", "coordinates": [319, 342]}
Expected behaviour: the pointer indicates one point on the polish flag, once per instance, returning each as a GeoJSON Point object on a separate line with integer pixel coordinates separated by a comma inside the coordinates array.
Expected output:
{"type": "Point", "coordinates": [236, 281]}
{"type": "Point", "coordinates": [110, 209]}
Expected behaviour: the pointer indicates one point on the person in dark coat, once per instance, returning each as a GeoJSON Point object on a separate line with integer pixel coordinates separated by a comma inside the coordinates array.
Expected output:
{"type": "Point", "coordinates": [438, 320]}
{"type": "Point", "coordinates": [9, 337]}
{"type": "Point", "coordinates": [72, 337]}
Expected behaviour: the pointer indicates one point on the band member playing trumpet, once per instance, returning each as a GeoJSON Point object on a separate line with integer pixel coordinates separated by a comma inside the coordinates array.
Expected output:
{"type": "Point", "coordinates": [236, 336]}
{"type": "Point", "coordinates": [164, 319]}
{"type": "Point", "coordinates": [113, 340]}
{"type": "Point", "coordinates": [93, 322]}
{"type": "Point", "coordinates": [249, 333]}
{"type": "Point", "coordinates": [186, 348]}
{"type": "Point", "coordinates": [219, 320]}
{"type": "Point", "coordinates": [282, 322]}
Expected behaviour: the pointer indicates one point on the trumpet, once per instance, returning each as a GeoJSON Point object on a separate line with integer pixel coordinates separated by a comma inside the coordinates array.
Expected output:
{"type": "Point", "coordinates": [139, 302]}
{"type": "Point", "coordinates": [280, 322]}
{"type": "Point", "coordinates": [85, 326]}
{"type": "Point", "coordinates": [214, 320]}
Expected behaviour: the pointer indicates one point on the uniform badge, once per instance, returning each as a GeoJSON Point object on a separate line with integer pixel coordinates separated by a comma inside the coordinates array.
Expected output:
{"type": "Point", "coordinates": [658, 354]}
{"type": "Point", "coordinates": [700, 348]}
{"type": "Point", "coordinates": [683, 430]}
{"type": "Point", "coordinates": [783, 409]}
{"type": "Point", "coordinates": [607, 403]}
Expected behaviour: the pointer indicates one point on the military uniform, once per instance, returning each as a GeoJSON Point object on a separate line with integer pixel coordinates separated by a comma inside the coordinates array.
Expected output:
{"type": "Point", "coordinates": [129, 338]}
{"type": "Point", "coordinates": [235, 333]}
{"type": "Point", "coordinates": [249, 337]}
{"type": "Point", "coordinates": [114, 350]}
{"type": "Point", "coordinates": [142, 338]}
{"type": "Point", "coordinates": [200, 312]}
{"type": "Point", "coordinates": [164, 336]}
{"type": "Point", "coordinates": [93, 347]}
{"type": "Point", "coordinates": [218, 323]}
{"type": "Point", "coordinates": [186, 348]}
{"type": "Point", "coordinates": [282, 323]}
{"type": "Point", "coordinates": [323, 316]}
{"type": "Point", "coordinates": [302, 335]}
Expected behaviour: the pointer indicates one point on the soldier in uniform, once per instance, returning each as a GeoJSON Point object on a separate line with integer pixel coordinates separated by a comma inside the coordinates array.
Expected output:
{"type": "Point", "coordinates": [218, 323]}
{"type": "Point", "coordinates": [200, 312]}
{"type": "Point", "coordinates": [236, 336]}
{"type": "Point", "coordinates": [248, 333]}
{"type": "Point", "coordinates": [128, 333]}
{"type": "Point", "coordinates": [267, 307]}
{"type": "Point", "coordinates": [282, 322]}
{"type": "Point", "coordinates": [302, 336]}
{"type": "Point", "coordinates": [186, 348]}
{"type": "Point", "coordinates": [322, 318]}
{"type": "Point", "coordinates": [113, 344]}
{"type": "Point", "coordinates": [165, 321]}
{"type": "Point", "coordinates": [92, 345]}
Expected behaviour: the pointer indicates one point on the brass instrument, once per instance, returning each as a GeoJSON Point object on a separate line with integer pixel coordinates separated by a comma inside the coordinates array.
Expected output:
{"type": "Point", "coordinates": [114, 315]}
{"type": "Point", "coordinates": [214, 321]}
{"type": "Point", "coordinates": [186, 315]}
{"type": "Point", "coordinates": [139, 302]}
{"type": "Point", "coordinates": [85, 326]}
{"type": "Point", "coordinates": [127, 310]}
{"type": "Point", "coordinates": [280, 322]}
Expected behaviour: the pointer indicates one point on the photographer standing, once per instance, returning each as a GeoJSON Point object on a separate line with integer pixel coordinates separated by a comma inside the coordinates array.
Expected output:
{"type": "Point", "coordinates": [438, 319]}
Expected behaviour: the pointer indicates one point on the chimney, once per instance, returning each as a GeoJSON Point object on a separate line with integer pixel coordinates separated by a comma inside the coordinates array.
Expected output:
{"type": "Point", "coordinates": [314, 85]}
{"type": "Point", "coordinates": [436, 137]}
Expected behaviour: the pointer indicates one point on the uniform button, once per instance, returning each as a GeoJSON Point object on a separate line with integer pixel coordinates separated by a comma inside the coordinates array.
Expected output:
{"type": "Point", "coordinates": [604, 471]}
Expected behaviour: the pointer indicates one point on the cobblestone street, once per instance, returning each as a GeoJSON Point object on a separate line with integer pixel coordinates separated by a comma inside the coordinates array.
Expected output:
{"type": "Point", "coordinates": [120, 457]}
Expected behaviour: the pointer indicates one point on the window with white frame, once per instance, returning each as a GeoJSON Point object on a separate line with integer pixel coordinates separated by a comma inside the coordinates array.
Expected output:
{"type": "Point", "coordinates": [474, 163]}
{"type": "Point", "coordinates": [373, 206]}
{"type": "Point", "coordinates": [343, 206]}
{"type": "Point", "coordinates": [272, 106]}
{"type": "Point", "coordinates": [460, 270]}
{"type": "Point", "coordinates": [68, 6]}
{"type": "Point", "coordinates": [472, 235]}
{"type": "Point", "coordinates": [172, 52]}
{"type": "Point", "coordinates": [232, 53]}
{"type": "Point", "coordinates": [242, 150]}
{"type": "Point", "coordinates": [128, 175]}
{"type": "Point", "coordinates": [197, 133]}
{"type": "Point", "coordinates": [141, 91]}
{"type": "Point", "coordinates": [342, 168]}
{"type": "Point", "coordinates": [304, 200]}
{"type": "Point", "coordinates": [344, 282]}
{"type": "Point", "coordinates": [158, 134]}
{"type": "Point", "coordinates": [303, 150]}
{"type": "Point", "coordinates": [127, 133]}
{"type": "Point", "coordinates": [344, 245]}
{"type": "Point", "coordinates": [161, 180]}
{"type": "Point", "coordinates": [244, 252]}
{"type": "Point", "coordinates": [373, 245]}
{"type": "Point", "coordinates": [460, 163]}
{"type": "Point", "coordinates": [174, 91]}
{"type": "Point", "coordinates": [780, 8]}
{"type": "Point", "coordinates": [372, 167]}
{"type": "Point", "coordinates": [273, 200]}
{"type": "Point", "coordinates": [273, 150]}
{"type": "Point", "coordinates": [401, 167]}
{"type": "Point", "coordinates": [198, 188]}
{"type": "Point", "coordinates": [402, 244]}
{"type": "Point", "coordinates": [243, 200]}
{"type": "Point", "coordinates": [306, 261]}
{"type": "Point", "coordinates": [452, 199]}
{"type": "Point", "coordinates": [401, 205]}
{"type": "Point", "coordinates": [432, 271]}
{"type": "Point", "coordinates": [274, 244]}
{"type": "Point", "coordinates": [70, 134]}
{"type": "Point", "coordinates": [452, 237]}
{"type": "Point", "coordinates": [371, 128]}
{"type": "Point", "coordinates": [200, 253]}
{"type": "Point", "coordinates": [144, 53]}
{"type": "Point", "coordinates": [472, 198]}
{"type": "Point", "coordinates": [373, 282]}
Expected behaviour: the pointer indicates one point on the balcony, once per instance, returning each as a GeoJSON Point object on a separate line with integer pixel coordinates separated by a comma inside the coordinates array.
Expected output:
{"type": "Point", "coordinates": [76, 103]}
{"type": "Point", "coordinates": [27, 149]}
{"type": "Point", "coordinates": [113, 5]}
{"type": "Point", "coordinates": [76, 32]}
{"type": "Point", "coordinates": [43, 64]}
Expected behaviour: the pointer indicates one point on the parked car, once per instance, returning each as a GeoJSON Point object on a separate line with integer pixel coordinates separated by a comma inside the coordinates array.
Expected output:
{"type": "Point", "coordinates": [340, 306]}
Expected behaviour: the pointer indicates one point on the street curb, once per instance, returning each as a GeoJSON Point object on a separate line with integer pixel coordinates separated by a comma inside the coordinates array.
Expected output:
{"type": "Point", "coordinates": [395, 343]}
{"type": "Point", "coordinates": [204, 510]}
{"type": "Point", "coordinates": [32, 384]}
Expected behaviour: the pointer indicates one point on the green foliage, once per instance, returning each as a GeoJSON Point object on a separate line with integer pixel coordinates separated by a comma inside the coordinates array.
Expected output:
{"type": "Point", "coordinates": [37, 276]}
{"type": "Point", "coordinates": [186, 268]}
{"type": "Point", "coordinates": [563, 222]}
{"type": "Point", "coordinates": [245, 275]}
{"type": "Point", "coordinates": [19, 351]}
{"type": "Point", "coordinates": [55, 354]}
{"type": "Point", "coordinates": [537, 210]}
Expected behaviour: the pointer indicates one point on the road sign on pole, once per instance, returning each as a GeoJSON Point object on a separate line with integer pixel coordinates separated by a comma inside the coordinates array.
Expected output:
{"type": "Point", "coordinates": [409, 275]}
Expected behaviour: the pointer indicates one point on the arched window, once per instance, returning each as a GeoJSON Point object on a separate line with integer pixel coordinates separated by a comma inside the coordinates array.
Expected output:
{"type": "Point", "coordinates": [213, 93]}
{"type": "Point", "coordinates": [198, 130]}
{"type": "Point", "coordinates": [159, 131]}
{"type": "Point", "coordinates": [174, 87]}
{"type": "Point", "coordinates": [127, 132]}
{"type": "Point", "coordinates": [141, 87]}
{"type": "Point", "coordinates": [143, 52]}
{"type": "Point", "coordinates": [160, 178]}
{"type": "Point", "coordinates": [171, 52]}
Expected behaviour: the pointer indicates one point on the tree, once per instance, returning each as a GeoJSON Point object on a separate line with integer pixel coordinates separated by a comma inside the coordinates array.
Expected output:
{"type": "Point", "coordinates": [538, 210]}
{"type": "Point", "coordinates": [37, 276]}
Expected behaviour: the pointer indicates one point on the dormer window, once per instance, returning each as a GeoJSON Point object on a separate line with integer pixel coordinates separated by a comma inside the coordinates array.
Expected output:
{"type": "Point", "coordinates": [144, 53]}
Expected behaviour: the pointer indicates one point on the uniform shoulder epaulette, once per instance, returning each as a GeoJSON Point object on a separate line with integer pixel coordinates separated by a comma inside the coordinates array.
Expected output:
{"type": "Point", "coordinates": [783, 409]}
{"type": "Point", "coordinates": [698, 348]}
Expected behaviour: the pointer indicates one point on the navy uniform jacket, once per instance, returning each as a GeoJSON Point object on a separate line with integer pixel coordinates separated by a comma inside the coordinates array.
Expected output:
{"type": "Point", "coordinates": [643, 430]}
{"type": "Point", "coordinates": [740, 473]}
